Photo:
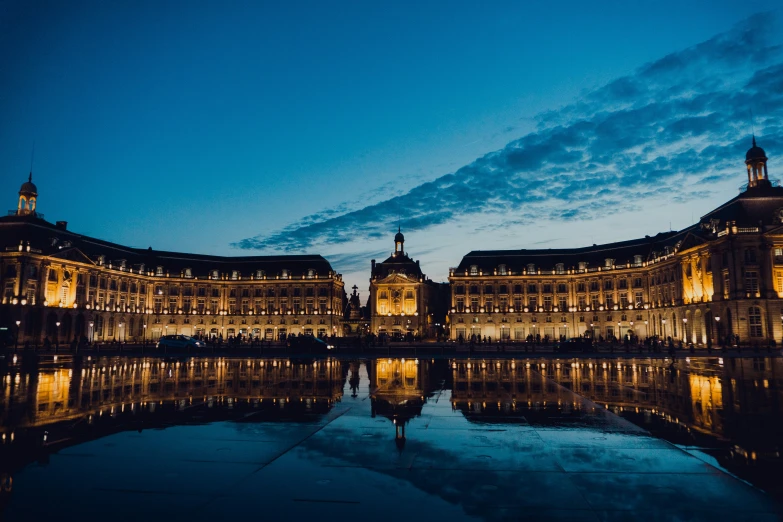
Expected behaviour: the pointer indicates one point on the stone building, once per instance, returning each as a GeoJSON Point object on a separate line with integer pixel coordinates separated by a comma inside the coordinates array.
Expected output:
{"type": "Point", "coordinates": [402, 299]}
{"type": "Point", "coordinates": [719, 279]}
{"type": "Point", "coordinates": [61, 285]}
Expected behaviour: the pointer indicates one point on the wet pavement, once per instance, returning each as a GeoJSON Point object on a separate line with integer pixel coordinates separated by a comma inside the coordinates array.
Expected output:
{"type": "Point", "coordinates": [385, 439]}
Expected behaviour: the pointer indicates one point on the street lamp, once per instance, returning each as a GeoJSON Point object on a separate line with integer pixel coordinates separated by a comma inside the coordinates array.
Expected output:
{"type": "Point", "coordinates": [16, 343]}
{"type": "Point", "coordinates": [717, 328]}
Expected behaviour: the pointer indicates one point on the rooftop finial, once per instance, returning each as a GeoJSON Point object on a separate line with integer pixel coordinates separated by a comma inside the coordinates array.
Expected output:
{"type": "Point", "coordinates": [754, 140]}
{"type": "Point", "coordinates": [32, 153]}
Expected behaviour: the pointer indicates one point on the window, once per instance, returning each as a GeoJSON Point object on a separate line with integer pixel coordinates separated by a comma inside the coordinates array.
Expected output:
{"type": "Point", "coordinates": [638, 299]}
{"type": "Point", "coordinates": [547, 288]}
{"type": "Point", "coordinates": [532, 289]}
{"type": "Point", "coordinates": [532, 303]}
{"type": "Point", "coordinates": [188, 273]}
{"type": "Point", "coordinates": [750, 255]}
{"type": "Point", "coordinates": [502, 270]}
{"type": "Point", "coordinates": [488, 289]}
{"type": "Point", "coordinates": [235, 274]}
{"type": "Point", "coordinates": [580, 287]}
{"type": "Point", "coordinates": [608, 262]}
{"type": "Point", "coordinates": [637, 282]}
{"type": "Point", "coordinates": [310, 273]}
{"type": "Point", "coordinates": [502, 289]}
{"type": "Point", "coordinates": [608, 284]}
{"type": "Point", "coordinates": [459, 290]}
{"type": "Point", "coordinates": [159, 271]}
{"type": "Point", "coordinates": [726, 284]}
{"type": "Point", "coordinates": [460, 304]}
{"type": "Point", "coordinates": [213, 274]}
{"type": "Point", "coordinates": [623, 283]}
{"type": "Point", "coordinates": [751, 281]}
{"type": "Point", "coordinates": [563, 304]}
{"type": "Point", "coordinates": [754, 321]}
{"type": "Point", "coordinates": [531, 268]}
{"type": "Point", "coordinates": [582, 265]}
{"type": "Point", "coordinates": [547, 303]}
{"type": "Point", "coordinates": [473, 269]}
{"type": "Point", "coordinates": [637, 260]}
{"type": "Point", "coordinates": [561, 288]}
{"type": "Point", "coordinates": [560, 268]}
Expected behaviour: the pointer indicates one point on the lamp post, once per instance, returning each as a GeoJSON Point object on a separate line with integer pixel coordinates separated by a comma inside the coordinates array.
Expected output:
{"type": "Point", "coordinates": [91, 331]}
{"type": "Point", "coordinates": [57, 336]}
{"type": "Point", "coordinates": [685, 329]}
{"type": "Point", "coordinates": [16, 342]}
{"type": "Point", "coordinates": [663, 329]}
{"type": "Point", "coordinates": [144, 340]}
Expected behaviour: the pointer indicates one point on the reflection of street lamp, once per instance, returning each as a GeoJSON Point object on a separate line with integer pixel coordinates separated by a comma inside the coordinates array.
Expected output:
{"type": "Point", "coordinates": [121, 330]}
{"type": "Point", "coordinates": [663, 329]}
{"type": "Point", "coordinates": [16, 343]}
{"type": "Point", "coordinates": [91, 331]}
{"type": "Point", "coordinates": [57, 336]}
{"type": "Point", "coordinates": [144, 343]}
{"type": "Point", "coordinates": [685, 329]}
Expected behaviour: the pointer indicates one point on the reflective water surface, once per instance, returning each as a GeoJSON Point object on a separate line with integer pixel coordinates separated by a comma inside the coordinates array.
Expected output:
{"type": "Point", "coordinates": [491, 439]}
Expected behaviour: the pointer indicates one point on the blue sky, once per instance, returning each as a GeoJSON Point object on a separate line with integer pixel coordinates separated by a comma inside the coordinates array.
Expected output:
{"type": "Point", "coordinates": [299, 127]}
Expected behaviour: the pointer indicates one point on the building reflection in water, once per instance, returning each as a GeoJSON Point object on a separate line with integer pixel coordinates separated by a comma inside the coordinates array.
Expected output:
{"type": "Point", "coordinates": [732, 405]}
{"type": "Point", "coordinates": [398, 388]}
{"type": "Point", "coordinates": [57, 404]}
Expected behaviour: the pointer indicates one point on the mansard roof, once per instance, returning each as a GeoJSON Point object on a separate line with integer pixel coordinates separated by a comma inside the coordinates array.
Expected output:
{"type": "Point", "coordinates": [397, 263]}
{"type": "Point", "coordinates": [753, 207]}
{"type": "Point", "coordinates": [52, 240]}
{"type": "Point", "coordinates": [622, 252]}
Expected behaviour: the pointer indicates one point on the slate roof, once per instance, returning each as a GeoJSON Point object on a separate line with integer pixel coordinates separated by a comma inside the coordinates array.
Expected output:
{"type": "Point", "coordinates": [52, 240]}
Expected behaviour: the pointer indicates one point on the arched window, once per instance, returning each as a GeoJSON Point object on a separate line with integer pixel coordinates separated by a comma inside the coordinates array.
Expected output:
{"type": "Point", "coordinates": [259, 274]}
{"type": "Point", "coordinates": [284, 274]}
{"type": "Point", "coordinates": [99, 326]}
{"type": "Point", "coordinates": [235, 274]}
{"type": "Point", "coordinates": [502, 270]}
{"type": "Point", "coordinates": [188, 273]}
{"type": "Point", "coordinates": [560, 268]}
{"type": "Point", "coordinates": [159, 271]}
{"type": "Point", "coordinates": [473, 269]}
{"type": "Point", "coordinates": [531, 268]}
{"type": "Point", "coordinates": [310, 273]}
{"type": "Point", "coordinates": [214, 274]}
{"type": "Point", "coordinates": [754, 321]}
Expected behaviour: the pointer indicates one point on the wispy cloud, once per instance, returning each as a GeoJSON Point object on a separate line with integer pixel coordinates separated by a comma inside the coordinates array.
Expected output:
{"type": "Point", "coordinates": [672, 129]}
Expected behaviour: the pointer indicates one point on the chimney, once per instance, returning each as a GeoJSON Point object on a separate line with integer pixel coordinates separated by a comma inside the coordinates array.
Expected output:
{"type": "Point", "coordinates": [62, 225]}
{"type": "Point", "coordinates": [372, 261]}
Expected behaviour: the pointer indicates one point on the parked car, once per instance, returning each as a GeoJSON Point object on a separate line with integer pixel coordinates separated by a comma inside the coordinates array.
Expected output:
{"type": "Point", "coordinates": [308, 343]}
{"type": "Point", "coordinates": [179, 341]}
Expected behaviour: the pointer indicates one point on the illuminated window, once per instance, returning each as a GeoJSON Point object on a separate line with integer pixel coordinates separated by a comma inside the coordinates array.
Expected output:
{"type": "Point", "coordinates": [754, 321]}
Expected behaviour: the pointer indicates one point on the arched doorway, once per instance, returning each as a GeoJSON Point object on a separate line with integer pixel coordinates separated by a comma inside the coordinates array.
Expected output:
{"type": "Point", "coordinates": [65, 328]}
{"type": "Point", "coordinates": [78, 328]}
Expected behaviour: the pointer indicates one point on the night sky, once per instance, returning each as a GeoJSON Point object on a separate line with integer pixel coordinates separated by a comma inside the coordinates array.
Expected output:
{"type": "Point", "coordinates": [260, 127]}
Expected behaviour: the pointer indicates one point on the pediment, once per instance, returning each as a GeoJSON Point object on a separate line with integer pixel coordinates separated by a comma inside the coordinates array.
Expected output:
{"type": "Point", "coordinates": [398, 278]}
{"type": "Point", "coordinates": [72, 254]}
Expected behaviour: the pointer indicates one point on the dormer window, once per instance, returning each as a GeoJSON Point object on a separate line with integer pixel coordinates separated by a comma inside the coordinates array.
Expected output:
{"type": "Point", "coordinates": [531, 268]}
{"type": "Point", "coordinates": [141, 268]}
{"type": "Point", "coordinates": [122, 264]}
{"type": "Point", "coordinates": [582, 265]}
{"type": "Point", "coordinates": [502, 270]}
{"type": "Point", "coordinates": [159, 271]}
{"type": "Point", "coordinates": [214, 274]}
{"type": "Point", "coordinates": [234, 275]}
{"type": "Point", "coordinates": [259, 274]}
{"type": "Point", "coordinates": [101, 260]}
{"type": "Point", "coordinates": [284, 274]}
{"type": "Point", "coordinates": [310, 273]}
{"type": "Point", "coordinates": [188, 273]}
{"type": "Point", "coordinates": [473, 270]}
{"type": "Point", "coordinates": [608, 262]}
{"type": "Point", "coordinates": [637, 260]}
{"type": "Point", "coordinates": [560, 268]}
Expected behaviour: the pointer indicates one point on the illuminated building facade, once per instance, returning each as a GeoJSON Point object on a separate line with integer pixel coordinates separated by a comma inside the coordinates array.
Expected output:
{"type": "Point", "coordinates": [61, 285]}
{"type": "Point", "coordinates": [402, 300]}
{"type": "Point", "coordinates": [720, 280]}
